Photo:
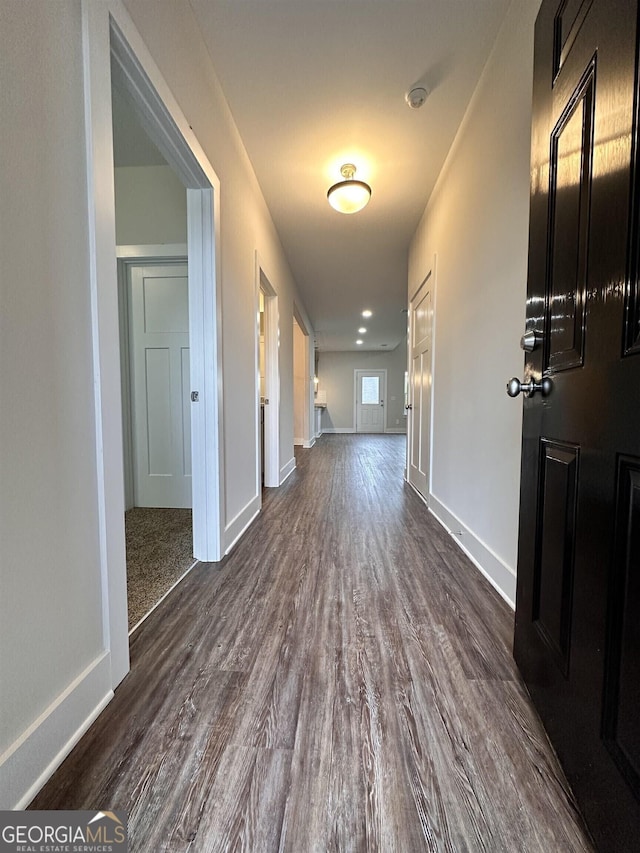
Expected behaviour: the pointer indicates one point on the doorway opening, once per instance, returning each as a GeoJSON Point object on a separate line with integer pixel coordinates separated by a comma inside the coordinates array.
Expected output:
{"type": "Point", "coordinates": [301, 384]}
{"type": "Point", "coordinates": [268, 382]}
{"type": "Point", "coordinates": [156, 427]}
{"type": "Point", "coordinates": [153, 305]}
{"type": "Point", "coordinates": [369, 400]}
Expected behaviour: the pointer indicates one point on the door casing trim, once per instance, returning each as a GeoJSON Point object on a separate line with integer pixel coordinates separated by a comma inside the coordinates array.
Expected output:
{"type": "Point", "coordinates": [110, 38]}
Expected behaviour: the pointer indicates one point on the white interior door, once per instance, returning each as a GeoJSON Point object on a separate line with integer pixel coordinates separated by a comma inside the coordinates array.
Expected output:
{"type": "Point", "coordinates": [160, 383]}
{"type": "Point", "coordinates": [370, 394]}
{"type": "Point", "coordinates": [419, 425]}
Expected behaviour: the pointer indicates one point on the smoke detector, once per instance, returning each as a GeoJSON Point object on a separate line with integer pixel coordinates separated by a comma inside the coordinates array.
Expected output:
{"type": "Point", "coordinates": [416, 97]}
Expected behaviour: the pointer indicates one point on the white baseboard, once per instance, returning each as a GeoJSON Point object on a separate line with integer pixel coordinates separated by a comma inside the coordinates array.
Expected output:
{"type": "Point", "coordinates": [501, 576]}
{"type": "Point", "coordinates": [396, 431]}
{"type": "Point", "coordinates": [35, 756]}
{"type": "Point", "coordinates": [308, 444]}
{"type": "Point", "coordinates": [237, 526]}
{"type": "Point", "coordinates": [287, 469]}
{"type": "Point", "coordinates": [338, 430]}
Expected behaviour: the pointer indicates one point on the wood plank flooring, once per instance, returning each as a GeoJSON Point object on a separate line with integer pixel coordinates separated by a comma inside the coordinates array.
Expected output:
{"type": "Point", "coordinates": [343, 681]}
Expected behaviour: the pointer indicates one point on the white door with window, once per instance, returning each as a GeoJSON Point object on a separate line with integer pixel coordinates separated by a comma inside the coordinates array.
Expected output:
{"type": "Point", "coordinates": [160, 385]}
{"type": "Point", "coordinates": [419, 408]}
{"type": "Point", "coordinates": [370, 394]}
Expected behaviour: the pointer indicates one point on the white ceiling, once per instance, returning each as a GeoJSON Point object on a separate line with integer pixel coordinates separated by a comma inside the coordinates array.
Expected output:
{"type": "Point", "coordinates": [313, 84]}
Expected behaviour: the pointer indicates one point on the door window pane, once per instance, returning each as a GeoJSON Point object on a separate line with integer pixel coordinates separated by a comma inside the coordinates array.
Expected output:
{"type": "Point", "coordinates": [371, 390]}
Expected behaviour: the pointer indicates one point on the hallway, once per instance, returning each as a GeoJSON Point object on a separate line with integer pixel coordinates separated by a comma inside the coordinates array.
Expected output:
{"type": "Point", "coordinates": [342, 681]}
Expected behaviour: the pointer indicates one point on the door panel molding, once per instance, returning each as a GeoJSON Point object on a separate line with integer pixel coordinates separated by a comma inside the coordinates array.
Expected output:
{"type": "Point", "coordinates": [569, 201]}
{"type": "Point", "coordinates": [556, 525]}
{"type": "Point", "coordinates": [621, 728]}
{"type": "Point", "coordinates": [568, 20]}
{"type": "Point", "coordinates": [631, 329]}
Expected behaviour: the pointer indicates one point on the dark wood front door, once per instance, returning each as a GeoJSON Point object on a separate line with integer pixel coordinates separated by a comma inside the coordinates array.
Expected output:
{"type": "Point", "coordinates": [577, 638]}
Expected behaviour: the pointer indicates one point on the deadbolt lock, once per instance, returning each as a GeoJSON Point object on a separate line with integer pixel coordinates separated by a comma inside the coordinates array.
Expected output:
{"type": "Point", "coordinates": [531, 340]}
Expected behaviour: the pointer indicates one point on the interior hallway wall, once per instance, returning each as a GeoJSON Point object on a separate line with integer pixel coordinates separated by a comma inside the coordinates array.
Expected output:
{"type": "Point", "coordinates": [52, 652]}
{"type": "Point", "coordinates": [336, 379]}
{"type": "Point", "coordinates": [151, 206]}
{"type": "Point", "coordinates": [476, 223]}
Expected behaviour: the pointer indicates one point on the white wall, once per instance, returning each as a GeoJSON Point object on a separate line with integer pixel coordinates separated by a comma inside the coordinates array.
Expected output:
{"type": "Point", "coordinates": [51, 616]}
{"type": "Point", "coordinates": [476, 223]}
{"type": "Point", "coordinates": [151, 206]}
{"type": "Point", "coordinates": [54, 654]}
{"type": "Point", "coordinates": [336, 378]}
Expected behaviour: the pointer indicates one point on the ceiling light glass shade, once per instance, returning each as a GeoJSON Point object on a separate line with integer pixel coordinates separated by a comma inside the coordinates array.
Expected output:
{"type": "Point", "coordinates": [349, 196]}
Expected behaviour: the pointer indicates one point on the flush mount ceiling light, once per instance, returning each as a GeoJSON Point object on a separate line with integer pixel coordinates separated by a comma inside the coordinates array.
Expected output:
{"type": "Point", "coordinates": [349, 196]}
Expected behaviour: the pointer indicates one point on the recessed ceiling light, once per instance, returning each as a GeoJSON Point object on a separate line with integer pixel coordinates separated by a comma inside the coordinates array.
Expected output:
{"type": "Point", "coordinates": [361, 330]}
{"type": "Point", "coordinates": [367, 313]}
{"type": "Point", "coordinates": [359, 342]}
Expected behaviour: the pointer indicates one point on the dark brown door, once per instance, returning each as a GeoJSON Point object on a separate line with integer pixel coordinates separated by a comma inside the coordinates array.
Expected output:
{"type": "Point", "coordinates": [577, 638]}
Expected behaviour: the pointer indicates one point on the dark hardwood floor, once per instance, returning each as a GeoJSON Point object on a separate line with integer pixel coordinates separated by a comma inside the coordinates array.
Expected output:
{"type": "Point", "coordinates": [343, 681]}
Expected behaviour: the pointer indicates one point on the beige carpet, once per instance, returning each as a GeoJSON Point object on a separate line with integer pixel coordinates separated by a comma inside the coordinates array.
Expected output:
{"type": "Point", "coordinates": [159, 552]}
